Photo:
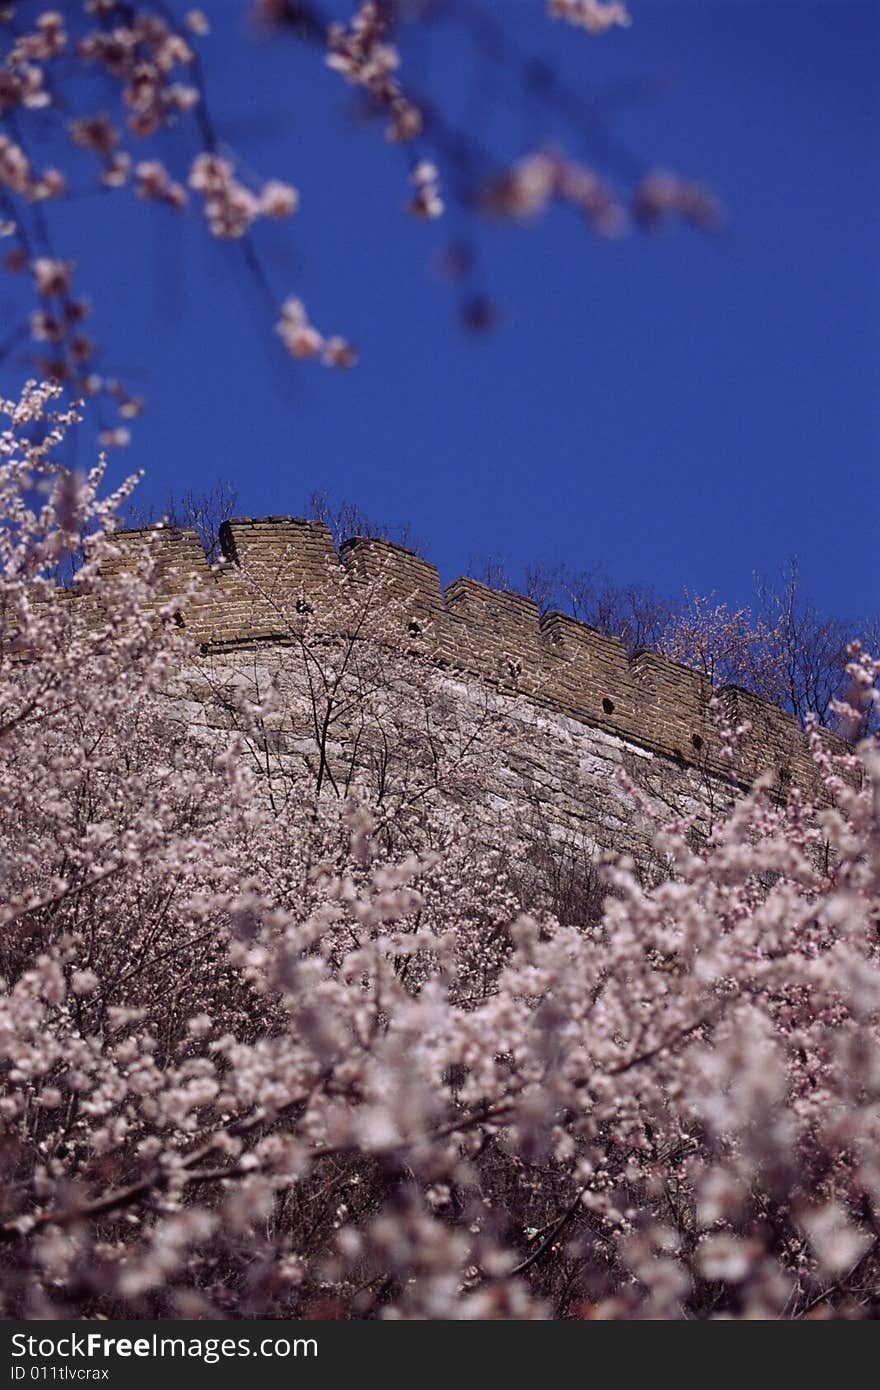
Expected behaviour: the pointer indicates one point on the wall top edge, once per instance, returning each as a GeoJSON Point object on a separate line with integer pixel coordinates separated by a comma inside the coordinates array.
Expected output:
{"type": "Point", "coordinates": [593, 676]}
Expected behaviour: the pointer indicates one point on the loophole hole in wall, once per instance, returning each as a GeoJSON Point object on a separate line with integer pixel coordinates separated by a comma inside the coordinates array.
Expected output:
{"type": "Point", "coordinates": [414, 629]}
{"type": "Point", "coordinates": [697, 741]}
{"type": "Point", "coordinates": [608, 705]}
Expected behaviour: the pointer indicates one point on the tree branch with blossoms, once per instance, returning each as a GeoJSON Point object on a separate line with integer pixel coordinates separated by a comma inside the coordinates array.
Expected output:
{"type": "Point", "coordinates": [104, 83]}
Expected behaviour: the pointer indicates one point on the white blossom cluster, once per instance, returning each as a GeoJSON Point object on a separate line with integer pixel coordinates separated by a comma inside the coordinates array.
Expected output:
{"type": "Point", "coordinates": [316, 1053]}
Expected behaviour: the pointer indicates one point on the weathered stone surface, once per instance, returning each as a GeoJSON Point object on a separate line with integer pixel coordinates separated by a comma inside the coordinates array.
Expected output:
{"type": "Point", "coordinates": [586, 710]}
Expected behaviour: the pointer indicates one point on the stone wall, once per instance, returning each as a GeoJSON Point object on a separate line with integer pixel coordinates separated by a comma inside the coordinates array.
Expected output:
{"type": "Point", "coordinates": [584, 705]}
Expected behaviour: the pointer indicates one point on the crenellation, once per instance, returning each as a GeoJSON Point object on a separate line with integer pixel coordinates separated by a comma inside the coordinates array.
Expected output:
{"type": "Point", "coordinates": [493, 608]}
{"type": "Point", "coordinates": [499, 634]}
{"type": "Point", "coordinates": [176, 551]}
{"type": "Point", "coordinates": [674, 706]}
{"type": "Point", "coordinates": [594, 674]}
{"type": "Point", "coordinates": [274, 566]}
{"type": "Point", "coordinates": [775, 743]}
{"type": "Point", "coordinates": [402, 573]}
{"type": "Point", "coordinates": [172, 555]}
{"type": "Point", "coordinates": [288, 544]}
{"type": "Point", "coordinates": [271, 564]}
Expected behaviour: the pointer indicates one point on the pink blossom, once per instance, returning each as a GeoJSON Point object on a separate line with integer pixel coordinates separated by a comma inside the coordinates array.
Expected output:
{"type": "Point", "coordinates": [278, 199]}
{"type": "Point", "coordinates": [596, 16]}
{"type": "Point", "coordinates": [51, 276]}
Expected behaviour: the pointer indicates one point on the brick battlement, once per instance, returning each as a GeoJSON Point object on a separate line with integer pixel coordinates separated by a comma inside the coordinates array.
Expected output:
{"type": "Point", "coordinates": [557, 662]}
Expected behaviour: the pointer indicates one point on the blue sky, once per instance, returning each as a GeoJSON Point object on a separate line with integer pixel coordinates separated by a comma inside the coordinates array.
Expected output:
{"type": "Point", "coordinates": [677, 410]}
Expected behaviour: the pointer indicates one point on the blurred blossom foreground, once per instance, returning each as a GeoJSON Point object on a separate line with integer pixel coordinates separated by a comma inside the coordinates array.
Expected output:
{"type": "Point", "coordinates": [105, 100]}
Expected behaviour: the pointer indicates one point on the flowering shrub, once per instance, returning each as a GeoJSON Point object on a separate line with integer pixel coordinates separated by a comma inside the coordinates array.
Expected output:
{"type": "Point", "coordinates": [310, 1057]}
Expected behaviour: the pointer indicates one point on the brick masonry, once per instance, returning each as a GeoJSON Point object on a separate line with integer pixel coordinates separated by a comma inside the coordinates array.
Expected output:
{"type": "Point", "coordinates": [589, 705]}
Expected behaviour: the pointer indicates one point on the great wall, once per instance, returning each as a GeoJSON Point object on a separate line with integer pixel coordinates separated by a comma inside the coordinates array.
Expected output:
{"type": "Point", "coordinates": [586, 706]}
